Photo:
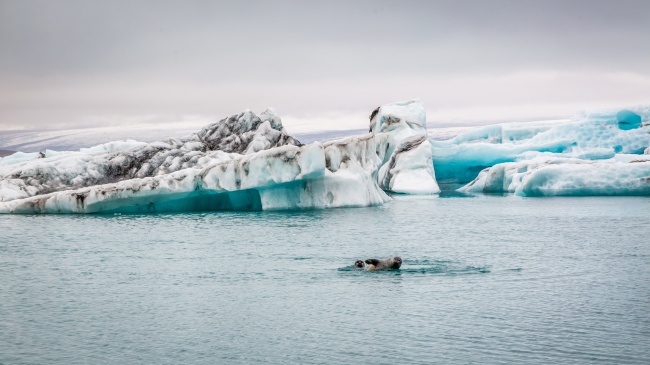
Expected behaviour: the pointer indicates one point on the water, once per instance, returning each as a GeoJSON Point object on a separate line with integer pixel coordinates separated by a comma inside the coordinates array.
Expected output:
{"type": "Point", "coordinates": [484, 280]}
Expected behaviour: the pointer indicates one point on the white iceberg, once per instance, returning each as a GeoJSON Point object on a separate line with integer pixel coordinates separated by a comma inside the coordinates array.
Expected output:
{"type": "Point", "coordinates": [548, 175]}
{"type": "Point", "coordinates": [280, 178]}
{"type": "Point", "coordinates": [244, 162]}
{"type": "Point", "coordinates": [410, 169]}
{"type": "Point", "coordinates": [51, 171]}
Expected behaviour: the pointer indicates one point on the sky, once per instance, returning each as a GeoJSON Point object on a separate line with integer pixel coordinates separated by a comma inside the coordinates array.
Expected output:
{"type": "Point", "coordinates": [323, 65]}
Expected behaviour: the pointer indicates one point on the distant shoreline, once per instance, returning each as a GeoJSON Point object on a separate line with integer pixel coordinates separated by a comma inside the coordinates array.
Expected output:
{"type": "Point", "coordinates": [4, 153]}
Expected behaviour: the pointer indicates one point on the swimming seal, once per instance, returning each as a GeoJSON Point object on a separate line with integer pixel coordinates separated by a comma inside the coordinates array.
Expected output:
{"type": "Point", "coordinates": [392, 263]}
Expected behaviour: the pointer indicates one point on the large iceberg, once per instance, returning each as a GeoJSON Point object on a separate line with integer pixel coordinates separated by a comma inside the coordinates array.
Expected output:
{"type": "Point", "coordinates": [29, 174]}
{"type": "Point", "coordinates": [244, 162]}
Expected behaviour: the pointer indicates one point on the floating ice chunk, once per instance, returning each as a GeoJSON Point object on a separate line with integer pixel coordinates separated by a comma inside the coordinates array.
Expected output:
{"type": "Point", "coordinates": [598, 178]}
{"type": "Point", "coordinates": [547, 176]}
{"type": "Point", "coordinates": [410, 167]}
{"type": "Point", "coordinates": [207, 171]}
{"type": "Point", "coordinates": [506, 177]}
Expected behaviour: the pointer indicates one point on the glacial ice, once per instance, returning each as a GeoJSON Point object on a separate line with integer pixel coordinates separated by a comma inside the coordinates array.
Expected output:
{"type": "Point", "coordinates": [599, 153]}
{"type": "Point", "coordinates": [410, 169]}
{"type": "Point", "coordinates": [280, 178]}
{"type": "Point", "coordinates": [42, 173]}
{"type": "Point", "coordinates": [243, 162]}
{"type": "Point", "coordinates": [249, 162]}
{"type": "Point", "coordinates": [589, 136]}
{"type": "Point", "coordinates": [548, 175]}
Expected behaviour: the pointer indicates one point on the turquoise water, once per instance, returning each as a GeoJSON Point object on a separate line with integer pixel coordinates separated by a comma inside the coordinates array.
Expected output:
{"type": "Point", "coordinates": [484, 280]}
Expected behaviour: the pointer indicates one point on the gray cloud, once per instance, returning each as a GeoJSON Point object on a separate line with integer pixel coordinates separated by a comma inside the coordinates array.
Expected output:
{"type": "Point", "coordinates": [72, 62]}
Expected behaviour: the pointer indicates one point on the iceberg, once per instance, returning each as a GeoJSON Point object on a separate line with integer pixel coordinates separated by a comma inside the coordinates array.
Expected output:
{"type": "Point", "coordinates": [410, 170]}
{"type": "Point", "coordinates": [561, 176]}
{"type": "Point", "coordinates": [597, 135]}
{"type": "Point", "coordinates": [249, 162]}
{"type": "Point", "coordinates": [50, 171]}
{"type": "Point", "coordinates": [244, 162]}
{"type": "Point", "coordinates": [281, 178]}
{"type": "Point", "coordinates": [598, 153]}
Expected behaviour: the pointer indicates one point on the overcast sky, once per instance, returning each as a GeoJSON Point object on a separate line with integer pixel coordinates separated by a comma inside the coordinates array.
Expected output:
{"type": "Point", "coordinates": [321, 64]}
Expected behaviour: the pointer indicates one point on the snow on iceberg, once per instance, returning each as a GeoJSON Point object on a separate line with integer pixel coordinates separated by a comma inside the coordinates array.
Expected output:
{"type": "Point", "coordinates": [589, 136]}
{"type": "Point", "coordinates": [410, 169]}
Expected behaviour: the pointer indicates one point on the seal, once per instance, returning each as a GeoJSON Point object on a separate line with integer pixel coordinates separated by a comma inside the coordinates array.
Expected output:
{"type": "Point", "coordinates": [391, 263]}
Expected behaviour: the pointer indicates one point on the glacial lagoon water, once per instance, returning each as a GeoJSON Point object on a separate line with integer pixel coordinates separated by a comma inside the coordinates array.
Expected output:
{"type": "Point", "coordinates": [485, 280]}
